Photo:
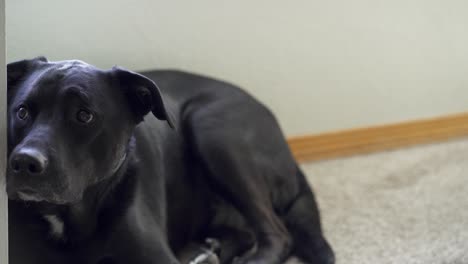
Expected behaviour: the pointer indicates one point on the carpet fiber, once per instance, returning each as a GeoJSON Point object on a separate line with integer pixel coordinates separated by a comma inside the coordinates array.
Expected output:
{"type": "Point", "coordinates": [406, 206]}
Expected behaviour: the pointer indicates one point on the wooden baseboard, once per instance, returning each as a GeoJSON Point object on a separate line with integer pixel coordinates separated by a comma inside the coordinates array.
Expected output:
{"type": "Point", "coordinates": [378, 138]}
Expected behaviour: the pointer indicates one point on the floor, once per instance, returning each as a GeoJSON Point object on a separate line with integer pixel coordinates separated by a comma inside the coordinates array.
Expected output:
{"type": "Point", "coordinates": [406, 206]}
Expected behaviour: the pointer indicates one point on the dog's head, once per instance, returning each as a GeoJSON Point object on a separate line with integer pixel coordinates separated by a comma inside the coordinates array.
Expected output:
{"type": "Point", "coordinates": [69, 125]}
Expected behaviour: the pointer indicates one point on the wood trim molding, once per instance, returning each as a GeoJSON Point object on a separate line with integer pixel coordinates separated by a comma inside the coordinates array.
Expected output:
{"type": "Point", "coordinates": [378, 138]}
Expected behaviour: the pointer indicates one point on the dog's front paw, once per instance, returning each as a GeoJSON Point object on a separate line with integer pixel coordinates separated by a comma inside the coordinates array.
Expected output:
{"type": "Point", "coordinates": [207, 253]}
{"type": "Point", "coordinates": [207, 257]}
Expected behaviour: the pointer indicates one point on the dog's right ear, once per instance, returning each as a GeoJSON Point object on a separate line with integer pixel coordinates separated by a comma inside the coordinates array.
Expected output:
{"type": "Point", "coordinates": [143, 94]}
{"type": "Point", "coordinates": [18, 69]}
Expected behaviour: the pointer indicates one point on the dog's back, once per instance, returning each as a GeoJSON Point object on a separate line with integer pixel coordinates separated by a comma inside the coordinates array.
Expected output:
{"type": "Point", "coordinates": [227, 129]}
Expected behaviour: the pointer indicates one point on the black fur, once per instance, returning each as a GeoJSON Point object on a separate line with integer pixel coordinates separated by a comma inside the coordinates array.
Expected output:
{"type": "Point", "coordinates": [132, 189]}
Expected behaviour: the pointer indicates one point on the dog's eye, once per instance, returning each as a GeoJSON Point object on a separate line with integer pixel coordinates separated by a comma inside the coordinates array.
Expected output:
{"type": "Point", "coordinates": [22, 113]}
{"type": "Point", "coordinates": [84, 116]}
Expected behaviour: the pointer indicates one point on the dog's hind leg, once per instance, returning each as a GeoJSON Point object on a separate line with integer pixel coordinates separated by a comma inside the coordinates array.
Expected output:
{"type": "Point", "coordinates": [235, 175]}
{"type": "Point", "coordinates": [233, 243]}
{"type": "Point", "coordinates": [303, 221]}
{"type": "Point", "coordinates": [272, 238]}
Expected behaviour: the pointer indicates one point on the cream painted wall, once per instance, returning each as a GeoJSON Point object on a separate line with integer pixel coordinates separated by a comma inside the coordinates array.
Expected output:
{"type": "Point", "coordinates": [3, 147]}
{"type": "Point", "coordinates": [320, 65]}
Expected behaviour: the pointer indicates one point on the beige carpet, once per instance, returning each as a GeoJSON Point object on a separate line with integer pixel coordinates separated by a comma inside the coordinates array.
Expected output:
{"type": "Point", "coordinates": [403, 207]}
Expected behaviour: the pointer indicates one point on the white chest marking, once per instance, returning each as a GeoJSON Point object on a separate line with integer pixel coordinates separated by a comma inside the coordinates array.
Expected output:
{"type": "Point", "coordinates": [56, 226]}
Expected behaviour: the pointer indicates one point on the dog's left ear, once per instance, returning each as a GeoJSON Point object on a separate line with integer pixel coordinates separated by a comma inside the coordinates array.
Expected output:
{"type": "Point", "coordinates": [16, 70]}
{"type": "Point", "coordinates": [143, 95]}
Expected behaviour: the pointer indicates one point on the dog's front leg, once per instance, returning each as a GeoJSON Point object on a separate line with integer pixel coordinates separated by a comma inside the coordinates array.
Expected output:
{"type": "Point", "coordinates": [139, 242]}
{"type": "Point", "coordinates": [142, 252]}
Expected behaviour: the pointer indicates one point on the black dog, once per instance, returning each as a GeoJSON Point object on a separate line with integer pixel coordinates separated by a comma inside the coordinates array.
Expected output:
{"type": "Point", "coordinates": [93, 179]}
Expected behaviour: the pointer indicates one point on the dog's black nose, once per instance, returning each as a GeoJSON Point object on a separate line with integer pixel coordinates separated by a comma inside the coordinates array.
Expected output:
{"type": "Point", "coordinates": [29, 161]}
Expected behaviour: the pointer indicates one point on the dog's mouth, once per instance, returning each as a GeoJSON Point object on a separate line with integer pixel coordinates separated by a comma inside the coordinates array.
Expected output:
{"type": "Point", "coordinates": [31, 195]}
{"type": "Point", "coordinates": [22, 189]}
